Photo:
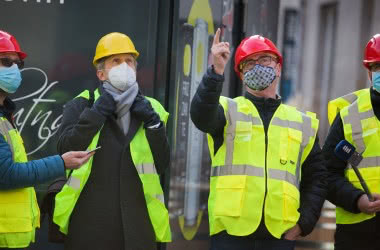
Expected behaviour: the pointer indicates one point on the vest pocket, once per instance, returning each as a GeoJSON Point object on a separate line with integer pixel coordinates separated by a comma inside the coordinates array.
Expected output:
{"type": "Point", "coordinates": [243, 131]}
{"type": "Point", "coordinates": [15, 218]}
{"type": "Point", "coordinates": [230, 193]}
{"type": "Point", "coordinates": [290, 203]}
{"type": "Point", "coordinates": [294, 143]}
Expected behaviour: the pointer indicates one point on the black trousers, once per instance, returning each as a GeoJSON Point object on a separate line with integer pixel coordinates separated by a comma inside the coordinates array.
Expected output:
{"type": "Point", "coordinates": [361, 236]}
{"type": "Point", "coordinates": [224, 241]}
{"type": "Point", "coordinates": [13, 248]}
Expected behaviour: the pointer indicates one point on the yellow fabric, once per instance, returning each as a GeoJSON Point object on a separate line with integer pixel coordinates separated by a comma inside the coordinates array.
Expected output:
{"type": "Point", "coordinates": [141, 155]}
{"type": "Point", "coordinates": [367, 133]}
{"type": "Point", "coordinates": [66, 199]}
{"type": "Point", "coordinates": [236, 200]}
{"type": "Point", "coordinates": [338, 104]}
{"type": "Point", "coordinates": [19, 212]}
{"type": "Point", "coordinates": [279, 219]}
{"type": "Point", "coordinates": [112, 44]}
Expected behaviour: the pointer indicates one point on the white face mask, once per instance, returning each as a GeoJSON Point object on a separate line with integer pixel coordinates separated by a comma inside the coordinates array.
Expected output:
{"type": "Point", "coordinates": [122, 76]}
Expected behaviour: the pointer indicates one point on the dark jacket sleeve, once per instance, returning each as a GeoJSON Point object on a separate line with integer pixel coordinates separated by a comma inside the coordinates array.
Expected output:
{"type": "Point", "coordinates": [159, 146]}
{"type": "Point", "coordinates": [80, 124]}
{"type": "Point", "coordinates": [313, 189]}
{"type": "Point", "coordinates": [206, 112]}
{"type": "Point", "coordinates": [341, 192]}
{"type": "Point", "coordinates": [20, 175]}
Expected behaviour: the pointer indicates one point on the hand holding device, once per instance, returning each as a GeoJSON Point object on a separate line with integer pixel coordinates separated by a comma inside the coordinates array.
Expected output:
{"type": "Point", "coordinates": [75, 159]}
{"type": "Point", "coordinates": [88, 152]}
{"type": "Point", "coordinates": [347, 152]}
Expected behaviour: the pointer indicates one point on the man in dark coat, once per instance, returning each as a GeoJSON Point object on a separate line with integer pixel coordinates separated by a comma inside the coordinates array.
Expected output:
{"type": "Point", "coordinates": [111, 212]}
{"type": "Point", "coordinates": [357, 217]}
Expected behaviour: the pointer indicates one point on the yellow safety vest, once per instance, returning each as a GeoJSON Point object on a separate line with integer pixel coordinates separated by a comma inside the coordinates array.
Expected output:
{"type": "Point", "coordinates": [335, 106]}
{"type": "Point", "coordinates": [242, 170]}
{"type": "Point", "coordinates": [19, 212]}
{"type": "Point", "coordinates": [143, 160]}
{"type": "Point", "coordinates": [361, 128]}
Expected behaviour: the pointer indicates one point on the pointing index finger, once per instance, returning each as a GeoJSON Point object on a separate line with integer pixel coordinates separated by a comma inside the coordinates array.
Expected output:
{"type": "Point", "coordinates": [216, 37]}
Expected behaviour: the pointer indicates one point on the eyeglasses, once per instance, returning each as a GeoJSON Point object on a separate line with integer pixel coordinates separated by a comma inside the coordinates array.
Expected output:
{"type": "Point", "coordinates": [263, 60]}
{"type": "Point", "coordinates": [7, 62]}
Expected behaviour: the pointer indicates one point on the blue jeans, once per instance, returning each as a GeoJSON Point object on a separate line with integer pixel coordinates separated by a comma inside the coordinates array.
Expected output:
{"type": "Point", "coordinates": [223, 241]}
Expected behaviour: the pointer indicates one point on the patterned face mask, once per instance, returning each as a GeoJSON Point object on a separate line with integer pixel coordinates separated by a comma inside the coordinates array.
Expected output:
{"type": "Point", "coordinates": [259, 77]}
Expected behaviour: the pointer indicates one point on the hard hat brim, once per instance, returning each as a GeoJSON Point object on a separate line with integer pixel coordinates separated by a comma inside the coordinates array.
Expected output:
{"type": "Point", "coordinates": [367, 62]}
{"type": "Point", "coordinates": [21, 54]}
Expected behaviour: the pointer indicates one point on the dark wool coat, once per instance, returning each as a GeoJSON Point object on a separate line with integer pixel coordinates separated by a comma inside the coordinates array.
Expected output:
{"type": "Point", "coordinates": [111, 212]}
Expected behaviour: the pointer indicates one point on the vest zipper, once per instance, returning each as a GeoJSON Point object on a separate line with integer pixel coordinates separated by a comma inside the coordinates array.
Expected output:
{"type": "Point", "coordinates": [266, 175]}
{"type": "Point", "coordinates": [266, 165]}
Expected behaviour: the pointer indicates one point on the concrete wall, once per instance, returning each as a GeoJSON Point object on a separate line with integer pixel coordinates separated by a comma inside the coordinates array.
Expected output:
{"type": "Point", "coordinates": [375, 18]}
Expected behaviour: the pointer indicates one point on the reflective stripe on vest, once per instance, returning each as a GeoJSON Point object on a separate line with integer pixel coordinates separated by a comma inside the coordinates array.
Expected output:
{"type": "Point", "coordinates": [361, 129]}
{"type": "Point", "coordinates": [146, 168]}
{"type": "Point", "coordinates": [354, 118]}
{"type": "Point", "coordinates": [19, 212]}
{"type": "Point", "coordinates": [238, 173]}
{"type": "Point", "coordinates": [237, 170]}
{"type": "Point", "coordinates": [235, 116]}
{"type": "Point", "coordinates": [5, 126]}
{"type": "Point", "coordinates": [73, 182]}
{"type": "Point", "coordinates": [143, 161]}
{"type": "Point", "coordinates": [335, 106]}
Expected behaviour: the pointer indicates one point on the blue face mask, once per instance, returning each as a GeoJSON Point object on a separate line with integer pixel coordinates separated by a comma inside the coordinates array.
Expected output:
{"type": "Point", "coordinates": [10, 78]}
{"type": "Point", "coordinates": [376, 80]}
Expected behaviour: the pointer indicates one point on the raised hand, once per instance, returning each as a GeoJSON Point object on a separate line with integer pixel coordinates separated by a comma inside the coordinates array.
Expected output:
{"type": "Point", "coordinates": [220, 52]}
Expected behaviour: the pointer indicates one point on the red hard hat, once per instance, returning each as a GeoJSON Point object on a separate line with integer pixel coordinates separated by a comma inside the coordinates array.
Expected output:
{"type": "Point", "coordinates": [372, 51]}
{"type": "Point", "coordinates": [252, 45]}
{"type": "Point", "coordinates": [8, 43]}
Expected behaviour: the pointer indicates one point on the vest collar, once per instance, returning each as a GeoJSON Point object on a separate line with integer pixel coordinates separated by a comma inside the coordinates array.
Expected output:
{"type": "Point", "coordinates": [262, 100]}
{"type": "Point", "coordinates": [8, 109]}
{"type": "Point", "coordinates": [9, 106]}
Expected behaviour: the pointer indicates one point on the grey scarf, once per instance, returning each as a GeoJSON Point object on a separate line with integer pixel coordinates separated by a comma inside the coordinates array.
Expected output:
{"type": "Point", "coordinates": [124, 101]}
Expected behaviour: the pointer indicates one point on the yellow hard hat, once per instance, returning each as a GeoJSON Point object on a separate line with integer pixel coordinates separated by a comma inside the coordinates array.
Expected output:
{"type": "Point", "coordinates": [112, 44]}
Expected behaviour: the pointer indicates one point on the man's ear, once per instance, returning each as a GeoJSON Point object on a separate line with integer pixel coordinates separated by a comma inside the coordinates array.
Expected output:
{"type": "Point", "coordinates": [101, 75]}
{"type": "Point", "coordinates": [278, 69]}
{"type": "Point", "coordinates": [241, 75]}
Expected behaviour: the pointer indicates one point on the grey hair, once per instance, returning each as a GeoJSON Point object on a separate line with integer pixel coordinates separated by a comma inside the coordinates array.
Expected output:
{"type": "Point", "coordinates": [100, 64]}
